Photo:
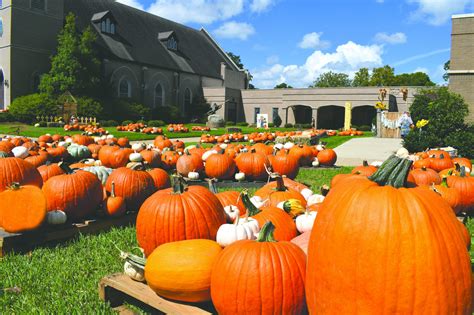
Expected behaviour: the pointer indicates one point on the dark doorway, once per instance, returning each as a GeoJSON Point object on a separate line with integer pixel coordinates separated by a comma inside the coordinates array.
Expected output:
{"type": "Point", "coordinates": [2, 90]}
{"type": "Point", "coordinates": [330, 117]}
{"type": "Point", "coordinates": [363, 116]}
{"type": "Point", "coordinates": [302, 114]}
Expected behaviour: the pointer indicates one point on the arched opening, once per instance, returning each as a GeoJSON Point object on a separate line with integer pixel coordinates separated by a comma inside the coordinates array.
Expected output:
{"type": "Point", "coordinates": [188, 99]}
{"type": "Point", "coordinates": [303, 114]}
{"type": "Point", "coordinates": [330, 117]}
{"type": "Point", "coordinates": [2, 90]}
{"type": "Point", "coordinates": [363, 116]}
{"type": "Point", "coordinates": [125, 88]}
{"type": "Point", "coordinates": [159, 95]}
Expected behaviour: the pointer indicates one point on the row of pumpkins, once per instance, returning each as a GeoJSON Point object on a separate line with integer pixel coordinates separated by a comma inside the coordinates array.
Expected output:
{"type": "Point", "coordinates": [373, 235]}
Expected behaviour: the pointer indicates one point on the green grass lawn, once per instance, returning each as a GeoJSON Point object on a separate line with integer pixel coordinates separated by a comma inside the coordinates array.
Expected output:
{"type": "Point", "coordinates": [31, 131]}
{"type": "Point", "coordinates": [64, 279]}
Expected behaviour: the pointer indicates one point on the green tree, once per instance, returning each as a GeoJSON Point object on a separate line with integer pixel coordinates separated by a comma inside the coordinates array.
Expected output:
{"type": "Point", "coordinates": [75, 66]}
{"type": "Point", "coordinates": [332, 79]}
{"type": "Point", "coordinates": [362, 78]}
{"type": "Point", "coordinates": [283, 86]}
{"type": "Point", "coordinates": [382, 76]}
{"type": "Point", "coordinates": [447, 66]}
{"type": "Point", "coordinates": [412, 79]}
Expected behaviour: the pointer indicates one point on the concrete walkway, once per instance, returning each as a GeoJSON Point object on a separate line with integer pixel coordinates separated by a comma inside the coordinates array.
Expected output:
{"type": "Point", "coordinates": [354, 151]}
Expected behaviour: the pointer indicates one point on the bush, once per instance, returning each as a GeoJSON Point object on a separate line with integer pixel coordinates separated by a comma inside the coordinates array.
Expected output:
{"type": "Point", "coordinates": [6, 117]}
{"type": "Point", "coordinates": [169, 114]}
{"type": "Point", "coordinates": [156, 123]}
{"type": "Point", "coordinates": [364, 128]}
{"type": "Point", "coordinates": [26, 108]}
{"type": "Point", "coordinates": [288, 125]}
{"type": "Point", "coordinates": [42, 124]}
{"type": "Point", "coordinates": [126, 122]}
{"type": "Point", "coordinates": [271, 125]}
{"type": "Point", "coordinates": [88, 107]}
{"type": "Point", "coordinates": [242, 124]}
{"type": "Point", "coordinates": [108, 123]}
{"type": "Point", "coordinates": [230, 123]}
{"type": "Point", "coordinates": [303, 126]}
{"type": "Point", "coordinates": [277, 121]}
{"type": "Point", "coordinates": [446, 112]}
{"type": "Point", "coordinates": [141, 122]}
{"type": "Point", "coordinates": [120, 110]}
{"type": "Point", "coordinates": [53, 124]}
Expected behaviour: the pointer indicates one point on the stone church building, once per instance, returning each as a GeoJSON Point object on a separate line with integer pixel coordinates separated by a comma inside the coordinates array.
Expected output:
{"type": "Point", "coordinates": [158, 62]}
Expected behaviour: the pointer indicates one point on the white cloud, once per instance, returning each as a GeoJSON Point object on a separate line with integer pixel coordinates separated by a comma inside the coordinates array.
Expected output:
{"type": "Point", "coordinates": [271, 60]}
{"type": "Point", "coordinates": [260, 5]}
{"type": "Point", "coordinates": [395, 38]}
{"type": "Point", "coordinates": [347, 58]}
{"type": "Point", "coordinates": [132, 3]}
{"type": "Point", "coordinates": [313, 41]}
{"type": "Point", "coordinates": [421, 69]}
{"type": "Point", "coordinates": [235, 30]}
{"type": "Point", "coordinates": [438, 12]}
{"type": "Point", "coordinates": [197, 11]}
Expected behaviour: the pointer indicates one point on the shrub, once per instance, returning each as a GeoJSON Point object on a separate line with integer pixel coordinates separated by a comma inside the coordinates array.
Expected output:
{"type": "Point", "coordinates": [6, 117]}
{"type": "Point", "coordinates": [88, 107]}
{"type": "Point", "coordinates": [42, 124]}
{"type": "Point", "coordinates": [271, 125]}
{"type": "Point", "coordinates": [463, 140]}
{"type": "Point", "coordinates": [120, 110]}
{"type": "Point", "coordinates": [288, 125]}
{"type": "Point", "coordinates": [53, 124]}
{"type": "Point", "coordinates": [230, 123]}
{"type": "Point", "coordinates": [417, 141]}
{"type": "Point", "coordinates": [242, 124]}
{"type": "Point", "coordinates": [169, 114]}
{"type": "Point", "coordinates": [156, 123]}
{"type": "Point", "coordinates": [277, 121]}
{"type": "Point", "coordinates": [108, 123]}
{"type": "Point", "coordinates": [26, 108]}
{"type": "Point", "coordinates": [126, 122]}
{"type": "Point", "coordinates": [141, 122]}
{"type": "Point", "coordinates": [364, 128]}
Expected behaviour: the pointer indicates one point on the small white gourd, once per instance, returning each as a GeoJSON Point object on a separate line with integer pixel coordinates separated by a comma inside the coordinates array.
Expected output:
{"type": "Point", "coordinates": [207, 154]}
{"type": "Point", "coordinates": [56, 217]}
{"type": "Point", "coordinates": [138, 147]}
{"type": "Point", "coordinates": [136, 157]}
{"type": "Point", "coordinates": [241, 229]}
{"type": "Point", "coordinates": [306, 192]}
{"type": "Point", "coordinates": [288, 145]}
{"type": "Point", "coordinates": [20, 152]}
{"type": "Point", "coordinates": [314, 199]}
{"type": "Point", "coordinates": [193, 175]}
{"type": "Point", "coordinates": [305, 222]}
{"type": "Point", "coordinates": [240, 176]}
{"type": "Point", "coordinates": [231, 213]}
{"type": "Point", "coordinates": [133, 272]}
{"type": "Point", "coordinates": [315, 162]}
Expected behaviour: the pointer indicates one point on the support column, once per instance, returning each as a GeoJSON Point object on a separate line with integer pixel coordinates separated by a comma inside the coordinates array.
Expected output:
{"type": "Point", "coordinates": [379, 123]}
{"type": "Point", "coordinates": [286, 116]}
{"type": "Point", "coordinates": [315, 117]}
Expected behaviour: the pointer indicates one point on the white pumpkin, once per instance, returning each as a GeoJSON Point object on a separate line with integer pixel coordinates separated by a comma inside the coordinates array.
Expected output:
{"type": "Point", "coordinates": [136, 157]}
{"type": "Point", "coordinates": [138, 147]}
{"type": "Point", "coordinates": [306, 192]}
{"type": "Point", "coordinates": [246, 138]}
{"type": "Point", "coordinates": [98, 163]}
{"type": "Point", "coordinates": [305, 222]}
{"type": "Point", "coordinates": [240, 176]}
{"type": "Point", "coordinates": [376, 163]}
{"type": "Point", "coordinates": [257, 201]}
{"type": "Point", "coordinates": [20, 152]}
{"type": "Point", "coordinates": [223, 146]}
{"type": "Point", "coordinates": [314, 199]}
{"type": "Point", "coordinates": [56, 217]}
{"type": "Point", "coordinates": [320, 147]}
{"type": "Point", "coordinates": [278, 146]}
{"type": "Point", "coordinates": [193, 175]}
{"type": "Point", "coordinates": [133, 272]}
{"type": "Point", "coordinates": [37, 125]}
{"type": "Point", "coordinates": [207, 154]}
{"type": "Point", "coordinates": [288, 145]}
{"type": "Point", "coordinates": [315, 162]}
{"type": "Point", "coordinates": [402, 153]}
{"type": "Point", "coordinates": [245, 229]}
{"type": "Point", "coordinates": [110, 137]}
{"type": "Point", "coordinates": [231, 212]}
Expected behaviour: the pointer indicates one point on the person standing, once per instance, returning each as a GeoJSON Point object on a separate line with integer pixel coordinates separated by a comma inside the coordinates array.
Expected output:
{"type": "Point", "coordinates": [404, 123]}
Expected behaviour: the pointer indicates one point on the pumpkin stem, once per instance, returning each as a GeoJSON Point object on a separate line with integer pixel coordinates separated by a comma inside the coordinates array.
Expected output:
{"type": "Point", "coordinates": [179, 185]}
{"type": "Point", "coordinates": [14, 186]}
{"type": "Point", "coordinates": [325, 190]}
{"type": "Point", "coordinates": [212, 185]}
{"type": "Point", "coordinates": [365, 163]}
{"type": "Point", "coordinates": [266, 233]}
{"type": "Point", "coordinates": [457, 167]}
{"type": "Point", "coordinates": [280, 182]}
{"type": "Point", "coordinates": [462, 172]}
{"type": "Point", "coordinates": [393, 172]}
{"type": "Point", "coordinates": [65, 167]}
{"type": "Point", "coordinates": [444, 182]}
{"type": "Point", "coordinates": [112, 191]}
{"type": "Point", "coordinates": [251, 209]}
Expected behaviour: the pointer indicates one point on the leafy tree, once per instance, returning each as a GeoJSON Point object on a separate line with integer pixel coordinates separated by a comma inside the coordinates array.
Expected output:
{"type": "Point", "coordinates": [283, 86]}
{"type": "Point", "coordinates": [412, 79]}
{"type": "Point", "coordinates": [362, 78]}
{"type": "Point", "coordinates": [382, 76]}
{"type": "Point", "coordinates": [332, 79]}
{"type": "Point", "coordinates": [75, 67]}
{"type": "Point", "coordinates": [447, 66]}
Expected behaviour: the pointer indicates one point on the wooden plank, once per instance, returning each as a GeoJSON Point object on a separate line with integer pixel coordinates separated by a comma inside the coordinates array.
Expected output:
{"type": "Point", "coordinates": [22, 242]}
{"type": "Point", "coordinates": [228, 184]}
{"type": "Point", "coordinates": [118, 288]}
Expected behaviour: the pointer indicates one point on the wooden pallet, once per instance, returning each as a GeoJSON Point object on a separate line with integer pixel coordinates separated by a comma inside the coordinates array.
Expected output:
{"type": "Point", "coordinates": [228, 183]}
{"type": "Point", "coordinates": [118, 289]}
{"type": "Point", "coordinates": [47, 235]}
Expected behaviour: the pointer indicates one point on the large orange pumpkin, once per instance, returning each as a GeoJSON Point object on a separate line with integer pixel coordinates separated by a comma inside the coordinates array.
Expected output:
{"type": "Point", "coordinates": [253, 164]}
{"type": "Point", "coordinates": [160, 178]}
{"type": "Point", "coordinates": [49, 170]}
{"type": "Point", "coordinates": [78, 193]}
{"type": "Point", "coordinates": [189, 162]}
{"type": "Point", "coordinates": [179, 213]}
{"type": "Point", "coordinates": [220, 166]}
{"type": "Point", "coordinates": [134, 185]}
{"type": "Point", "coordinates": [22, 208]}
{"type": "Point", "coordinates": [274, 194]}
{"type": "Point", "coordinates": [379, 248]}
{"type": "Point", "coordinates": [15, 170]}
{"type": "Point", "coordinates": [284, 164]}
{"type": "Point", "coordinates": [119, 158]}
{"type": "Point", "coordinates": [303, 153]}
{"type": "Point", "coordinates": [186, 279]}
{"type": "Point", "coordinates": [259, 277]}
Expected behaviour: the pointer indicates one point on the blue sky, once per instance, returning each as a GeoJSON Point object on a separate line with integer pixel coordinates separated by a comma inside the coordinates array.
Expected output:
{"type": "Point", "coordinates": [294, 41]}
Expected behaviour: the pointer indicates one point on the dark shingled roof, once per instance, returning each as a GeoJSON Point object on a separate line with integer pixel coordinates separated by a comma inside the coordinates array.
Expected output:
{"type": "Point", "coordinates": [136, 38]}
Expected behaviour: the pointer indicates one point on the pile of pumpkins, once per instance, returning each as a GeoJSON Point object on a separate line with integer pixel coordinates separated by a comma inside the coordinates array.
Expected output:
{"type": "Point", "coordinates": [373, 231]}
{"type": "Point", "coordinates": [200, 128]}
{"type": "Point", "coordinates": [90, 130]}
{"type": "Point", "coordinates": [140, 127]}
{"type": "Point", "coordinates": [225, 138]}
{"type": "Point", "coordinates": [351, 132]}
{"type": "Point", "coordinates": [177, 128]}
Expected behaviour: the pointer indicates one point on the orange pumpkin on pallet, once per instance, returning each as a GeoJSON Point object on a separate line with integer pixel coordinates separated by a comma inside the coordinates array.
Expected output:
{"type": "Point", "coordinates": [275, 195]}
{"type": "Point", "coordinates": [15, 170]}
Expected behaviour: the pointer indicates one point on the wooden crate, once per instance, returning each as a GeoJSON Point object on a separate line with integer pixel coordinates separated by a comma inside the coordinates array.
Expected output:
{"type": "Point", "coordinates": [118, 289]}
{"type": "Point", "coordinates": [47, 235]}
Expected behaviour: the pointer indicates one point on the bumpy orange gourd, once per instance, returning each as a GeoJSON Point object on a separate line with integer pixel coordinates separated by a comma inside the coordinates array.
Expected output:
{"type": "Point", "coordinates": [259, 277]}
{"type": "Point", "coordinates": [22, 208]}
{"type": "Point", "coordinates": [15, 170]}
{"type": "Point", "coordinates": [182, 270]}
{"type": "Point", "coordinates": [379, 248]}
{"type": "Point", "coordinates": [177, 214]}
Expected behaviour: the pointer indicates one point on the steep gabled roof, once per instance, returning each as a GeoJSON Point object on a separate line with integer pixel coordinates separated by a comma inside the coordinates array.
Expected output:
{"type": "Point", "coordinates": [137, 38]}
